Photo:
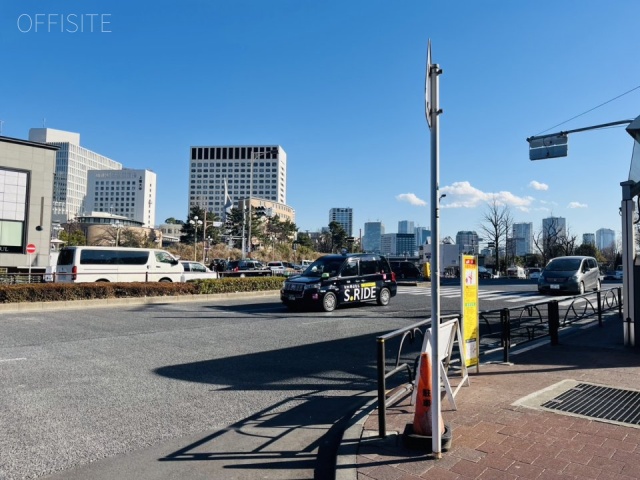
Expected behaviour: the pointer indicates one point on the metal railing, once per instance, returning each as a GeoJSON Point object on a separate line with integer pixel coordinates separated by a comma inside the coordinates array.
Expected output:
{"type": "Point", "coordinates": [501, 328]}
{"type": "Point", "coordinates": [405, 361]}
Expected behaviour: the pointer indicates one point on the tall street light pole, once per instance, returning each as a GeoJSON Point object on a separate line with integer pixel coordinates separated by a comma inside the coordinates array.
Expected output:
{"type": "Point", "coordinates": [195, 222]}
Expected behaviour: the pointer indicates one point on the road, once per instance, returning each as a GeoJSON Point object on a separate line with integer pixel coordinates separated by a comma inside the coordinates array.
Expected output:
{"type": "Point", "coordinates": [236, 389]}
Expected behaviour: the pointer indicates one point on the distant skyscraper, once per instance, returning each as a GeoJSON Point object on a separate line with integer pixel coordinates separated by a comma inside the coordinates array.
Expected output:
{"type": "Point", "coordinates": [467, 242]}
{"type": "Point", "coordinates": [72, 164]}
{"type": "Point", "coordinates": [343, 216]}
{"type": "Point", "coordinates": [405, 226]}
{"type": "Point", "coordinates": [605, 238]}
{"type": "Point", "coordinates": [589, 239]}
{"type": "Point", "coordinates": [373, 232]}
{"type": "Point", "coordinates": [523, 238]}
{"type": "Point", "coordinates": [554, 227]}
{"type": "Point", "coordinates": [398, 244]}
{"type": "Point", "coordinates": [423, 235]}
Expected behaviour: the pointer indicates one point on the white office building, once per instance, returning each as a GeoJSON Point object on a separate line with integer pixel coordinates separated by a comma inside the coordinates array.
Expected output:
{"type": "Point", "coordinates": [343, 216]}
{"type": "Point", "coordinates": [605, 239]}
{"type": "Point", "coordinates": [127, 192]}
{"type": "Point", "coordinates": [244, 171]}
{"type": "Point", "coordinates": [70, 177]}
{"type": "Point", "coordinates": [523, 238]}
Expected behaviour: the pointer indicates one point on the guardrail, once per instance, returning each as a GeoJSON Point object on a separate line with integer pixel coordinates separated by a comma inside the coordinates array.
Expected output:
{"type": "Point", "coordinates": [507, 327]}
{"type": "Point", "coordinates": [401, 364]}
{"type": "Point", "coordinates": [501, 328]}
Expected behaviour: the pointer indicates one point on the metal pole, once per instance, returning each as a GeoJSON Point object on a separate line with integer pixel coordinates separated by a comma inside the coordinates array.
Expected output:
{"type": "Point", "coordinates": [628, 242]}
{"type": "Point", "coordinates": [434, 72]}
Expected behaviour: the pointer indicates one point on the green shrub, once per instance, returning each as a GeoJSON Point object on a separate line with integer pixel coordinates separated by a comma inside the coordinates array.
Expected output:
{"type": "Point", "coordinates": [52, 292]}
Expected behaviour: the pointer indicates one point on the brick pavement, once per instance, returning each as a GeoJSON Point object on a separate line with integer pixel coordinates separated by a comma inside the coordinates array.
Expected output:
{"type": "Point", "coordinates": [495, 438]}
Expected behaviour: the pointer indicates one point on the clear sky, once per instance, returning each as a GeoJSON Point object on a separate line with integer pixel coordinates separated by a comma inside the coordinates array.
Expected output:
{"type": "Point", "coordinates": [339, 84]}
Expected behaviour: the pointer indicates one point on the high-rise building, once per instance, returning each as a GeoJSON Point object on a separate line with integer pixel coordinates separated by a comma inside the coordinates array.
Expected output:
{"type": "Point", "coordinates": [127, 192]}
{"type": "Point", "coordinates": [398, 244]}
{"type": "Point", "coordinates": [423, 235]}
{"type": "Point", "coordinates": [70, 177]}
{"type": "Point", "coordinates": [467, 242]}
{"type": "Point", "coordinates": [405, 226]}
{"type": "Point", "coordinates": [589, 239]}
{"type": "Point", "coordinates": [523, 238]}
{"type": "Point", "coordinates": [605, 238]}
{"type": "Point", "coordinates": [554, 227]}
{"type": "Point", "coordinates": [343, 216]}
{"type": "Point", "coordinates": [248, 171]}
{"type": "Point", "coordinates": [373, 232]}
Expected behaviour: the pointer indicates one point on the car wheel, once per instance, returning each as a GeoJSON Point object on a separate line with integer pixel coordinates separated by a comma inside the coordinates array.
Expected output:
{"type": "Point", "coordinates": [329, 302]}
{"type": "Point", "coordinates": [581, 288]}
{"type": "Point", "coordinates": [384, 297]}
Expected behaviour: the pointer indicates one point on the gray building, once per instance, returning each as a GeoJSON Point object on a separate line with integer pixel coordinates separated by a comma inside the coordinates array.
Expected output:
{"type": "Point", "coordinates": [26, 184]}
{"type": "Point", "coordinates": [467, 242]}
{"type": "Point", "coordinates": [398, 244]}
{"type": "Point", "coordinates": [553, 227]}
{"type": "Point", "coordinates": [523, 238]}
{"type": "Point", "coordinates": [406, 226]}
{"type": "Point", "coordinates": [373, 232]}
{"type": "Point", "coordinates": [343, 216]}
{"type": "Point", "coordinates": [605, 239]}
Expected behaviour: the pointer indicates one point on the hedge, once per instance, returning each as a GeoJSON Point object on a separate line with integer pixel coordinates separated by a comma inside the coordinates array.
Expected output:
{"type": "Point", "coordinates": [51, 292]}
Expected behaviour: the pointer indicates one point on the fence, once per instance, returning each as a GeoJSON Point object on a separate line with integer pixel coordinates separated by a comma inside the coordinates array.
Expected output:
{"type": "Point", "coordinates": [499, 329]}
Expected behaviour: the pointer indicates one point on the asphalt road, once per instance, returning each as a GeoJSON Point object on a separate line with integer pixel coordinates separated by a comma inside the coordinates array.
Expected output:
{"type": "Point", "coordinates": [235, 389]}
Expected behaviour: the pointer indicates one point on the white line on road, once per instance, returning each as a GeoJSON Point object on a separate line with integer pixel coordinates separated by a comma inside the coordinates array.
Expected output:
{"type": "Point", "coordinates": [11, 359]}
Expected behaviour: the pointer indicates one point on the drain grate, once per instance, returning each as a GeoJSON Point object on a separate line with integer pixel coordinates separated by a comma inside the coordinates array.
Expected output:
{"type": "Point", "coordinates": [603, 403]}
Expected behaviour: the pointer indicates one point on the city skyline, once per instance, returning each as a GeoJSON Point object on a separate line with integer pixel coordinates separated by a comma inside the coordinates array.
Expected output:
{"type": "Point", "coordinates": [340, 86]}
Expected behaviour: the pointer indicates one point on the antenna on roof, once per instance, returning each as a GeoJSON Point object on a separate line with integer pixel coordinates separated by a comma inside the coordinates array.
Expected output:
{"type": "Point", "coordinates": [44, 123]}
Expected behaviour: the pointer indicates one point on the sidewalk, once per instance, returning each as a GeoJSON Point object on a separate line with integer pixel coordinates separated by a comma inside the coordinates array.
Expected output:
{"type": "Point", "coordinates": [500, 430]}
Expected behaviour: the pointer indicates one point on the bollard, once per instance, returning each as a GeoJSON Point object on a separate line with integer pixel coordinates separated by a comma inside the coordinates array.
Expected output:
{"type": "Point", "coordinates": [505, 321]}
{"type": "Point", "coordinates": [599, 299]}
{"type": "Point", "coordinates": [554, 321]}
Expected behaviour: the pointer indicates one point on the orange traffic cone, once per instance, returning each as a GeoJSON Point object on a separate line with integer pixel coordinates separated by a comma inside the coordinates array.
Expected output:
{"type": "Point", "coordinates": [423, 414]}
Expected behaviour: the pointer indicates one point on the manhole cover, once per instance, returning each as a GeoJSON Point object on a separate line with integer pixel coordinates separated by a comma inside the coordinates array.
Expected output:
{"type": "Point", "coordinates": [595, 401]}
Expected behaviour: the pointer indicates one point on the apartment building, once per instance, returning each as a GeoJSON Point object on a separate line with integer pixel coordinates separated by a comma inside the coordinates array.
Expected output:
{"type": "Point", "coordinates": [344, 217]}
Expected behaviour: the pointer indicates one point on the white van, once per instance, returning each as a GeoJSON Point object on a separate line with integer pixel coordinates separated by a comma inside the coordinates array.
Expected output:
{"type": "Point", "coordinates": [116, 264]}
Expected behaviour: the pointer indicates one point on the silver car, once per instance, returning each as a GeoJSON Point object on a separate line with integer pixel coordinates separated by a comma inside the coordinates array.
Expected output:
{"type": "Point", "coordinates": [573, 274]}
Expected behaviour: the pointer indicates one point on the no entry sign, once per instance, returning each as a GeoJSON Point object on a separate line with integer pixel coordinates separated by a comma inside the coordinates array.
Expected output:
{"type": "Point", "coordinates": [31, 248]}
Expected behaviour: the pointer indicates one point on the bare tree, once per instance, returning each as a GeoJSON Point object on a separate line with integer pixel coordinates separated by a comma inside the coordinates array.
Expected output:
{"type": "Point", "coordinates": [496, 224]}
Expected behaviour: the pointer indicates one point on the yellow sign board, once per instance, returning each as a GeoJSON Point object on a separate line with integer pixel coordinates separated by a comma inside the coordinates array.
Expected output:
{"type": "Point", "coordinates": [470, 320]}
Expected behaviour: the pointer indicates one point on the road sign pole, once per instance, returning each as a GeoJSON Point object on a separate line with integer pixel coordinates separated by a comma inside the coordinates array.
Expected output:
{"type": "Point", "coordinates": [432, 112]}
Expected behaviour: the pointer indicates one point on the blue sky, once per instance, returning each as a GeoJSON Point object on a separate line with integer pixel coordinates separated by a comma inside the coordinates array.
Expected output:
{"type": "Point", "coordinates": [340, 86]}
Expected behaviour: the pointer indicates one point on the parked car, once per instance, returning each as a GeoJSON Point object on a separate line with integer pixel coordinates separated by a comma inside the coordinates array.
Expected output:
{"type": "Point", "coordinates": [572, 274]}
{"type": "Point", "coordinates": [534, 273]}
{"type": "Point", "coordinates": [278, 268]}
{"type": "Point", "coordinates": [484, 273]}
{"type": "Point", "coordinates": [333, 280]}
{"type": "Point", "coordinates": [619, 272]}
{"type": "Point", "coordinates": [406, 269]}
{"type": "Point", "coordinates": [246, 268]}
{"type": "Point", "coordinates": [196, 271]}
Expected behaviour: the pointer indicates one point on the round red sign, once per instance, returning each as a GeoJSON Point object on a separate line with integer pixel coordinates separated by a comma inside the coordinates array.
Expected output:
{"type": "Point", "coordinates": [31, 248]}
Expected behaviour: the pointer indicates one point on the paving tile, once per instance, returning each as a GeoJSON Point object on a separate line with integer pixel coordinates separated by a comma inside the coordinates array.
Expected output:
{"type": "Point", "coordinates": [468, 468]}
{"type": "Point", "coordinates": [525, 470]}
{"type": "Point", "coordinates": [582, 471]}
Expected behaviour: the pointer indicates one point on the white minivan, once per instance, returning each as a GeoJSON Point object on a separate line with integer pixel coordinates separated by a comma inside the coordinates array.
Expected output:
{"type": "Point", "coordinates": [116, 264]}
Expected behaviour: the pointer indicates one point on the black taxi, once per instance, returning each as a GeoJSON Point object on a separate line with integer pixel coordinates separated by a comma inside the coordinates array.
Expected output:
{"type": "Point", "coordinates": [333, 280]}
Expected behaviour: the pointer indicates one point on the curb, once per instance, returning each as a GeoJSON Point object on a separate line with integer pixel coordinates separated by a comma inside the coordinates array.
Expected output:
{"type": "Point", "coordinates": [346, 457]}
{"type": "Point", "coordinates": [104, 302]}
